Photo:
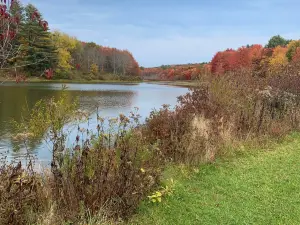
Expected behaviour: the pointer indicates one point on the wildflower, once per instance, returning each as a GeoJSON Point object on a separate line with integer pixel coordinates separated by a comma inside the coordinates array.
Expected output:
{"type": "Point", "coordinates": [122, 117]}
{"type": "Point", "coordinates": [100, 119]}
{"type": "Point", "coordinates": [142, 170]}
{"type": "Point", "coordinates": [23, 136]}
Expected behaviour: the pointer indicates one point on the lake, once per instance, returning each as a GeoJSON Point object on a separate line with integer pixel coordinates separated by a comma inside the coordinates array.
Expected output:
{"type": "Point", "coordinates": [16, 100]}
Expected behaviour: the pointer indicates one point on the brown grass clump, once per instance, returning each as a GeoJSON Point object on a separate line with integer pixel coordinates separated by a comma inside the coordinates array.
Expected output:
{"type": "Point", "coordinates": [22, 196]}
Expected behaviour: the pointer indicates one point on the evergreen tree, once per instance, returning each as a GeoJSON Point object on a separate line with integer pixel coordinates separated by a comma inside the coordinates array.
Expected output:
{"type": "Point", "coordinates": [37, 49]}
{"type": "Point", "coordinates": [17, 12]}
{"type": "Point", "coordinates": [277, 41]}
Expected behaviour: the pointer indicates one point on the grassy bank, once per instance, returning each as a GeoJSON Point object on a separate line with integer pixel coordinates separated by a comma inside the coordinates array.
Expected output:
{"type": "Point", "coordinates": [256, 186]}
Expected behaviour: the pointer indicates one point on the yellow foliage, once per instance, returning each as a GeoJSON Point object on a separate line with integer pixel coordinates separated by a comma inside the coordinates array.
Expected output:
{"type": "Point", "coordinates": [278, 59]}
{"type": "Point", "coordinates": [292, 47]}
{"type": "Point", "coordinates": [64, 58]}
{"type": "Point", "coordinates": [65, 44]}
{"type": "Point", "coordinates": [168, 190]}
{"type": "Point", "coordinates": [94, 68]}
{"type": "Point", "coordinates": [63, 40]}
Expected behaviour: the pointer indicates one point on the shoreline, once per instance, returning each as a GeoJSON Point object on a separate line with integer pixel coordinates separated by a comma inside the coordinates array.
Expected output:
{"type": "Point", "coordinates": [63, 81]}
{"type": "Point", "coordinates": [175, 83]}
{"type": "Point", "coordinates": [2, 81]}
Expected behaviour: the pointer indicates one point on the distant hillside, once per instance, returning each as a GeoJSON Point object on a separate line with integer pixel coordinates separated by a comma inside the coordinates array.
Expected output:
{"type": "Point", "coordinates": [173, 72]}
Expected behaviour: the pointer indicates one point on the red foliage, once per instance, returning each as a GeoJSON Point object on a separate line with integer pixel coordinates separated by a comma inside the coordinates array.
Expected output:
{"type": "Point", "coordinates": [49, 74]}
{"type": "Point", "coordinates": [175, 72]}
{"type": "Point", "coordinates": [232, 60]}
{"type": "Point", "coordinates": [296, 57]}
{"type": "Point", "coordinates": [43, 24]}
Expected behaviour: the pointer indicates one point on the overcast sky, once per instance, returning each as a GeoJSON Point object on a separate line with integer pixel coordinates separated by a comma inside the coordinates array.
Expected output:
{"type": "Point", "coordinates": [173, 32]}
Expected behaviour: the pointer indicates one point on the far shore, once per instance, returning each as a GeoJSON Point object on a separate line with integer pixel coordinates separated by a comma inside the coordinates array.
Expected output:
{"type": "Point", "coordinates": [180, 83]}
{"type": "Point", "coordinates": [185, 83]}
{"type": "Point", "coordinates": [39, 80]}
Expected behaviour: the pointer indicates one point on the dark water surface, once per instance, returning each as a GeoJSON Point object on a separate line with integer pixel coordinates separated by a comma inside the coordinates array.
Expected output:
{"type": "Point", "coordinates": [112, 100]}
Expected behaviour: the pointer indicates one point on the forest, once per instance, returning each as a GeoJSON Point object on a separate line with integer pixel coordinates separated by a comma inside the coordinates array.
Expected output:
{"type": "Point", "coordinates": [277, 56]}
{"type": "Point", "coordinates": [30, 49]}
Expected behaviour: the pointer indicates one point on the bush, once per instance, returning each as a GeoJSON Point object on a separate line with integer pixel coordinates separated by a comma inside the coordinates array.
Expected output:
{"type": "Point", "coordinates": [22, 195]}
{"type": "Point", "coordinates": [62, 75]}
{"type": "Point", "coordinates": [111, 170]}
{"type": "Point", "coordinates": [114, 179]}
{"type": "Point", "coordinates": [222, 109]}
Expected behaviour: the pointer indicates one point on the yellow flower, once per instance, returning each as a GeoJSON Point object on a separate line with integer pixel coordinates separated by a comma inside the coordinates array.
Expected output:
{"type": "Point", "coordinates": [142, 170]}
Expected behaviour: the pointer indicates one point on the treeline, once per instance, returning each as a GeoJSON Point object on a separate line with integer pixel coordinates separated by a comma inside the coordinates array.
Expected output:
{"type": "Point", "coordinates": [35, 51]}
{"type": "Point", "coordinates": [277, 57]}
{"type": "Point", "coordinates": [173, 72]}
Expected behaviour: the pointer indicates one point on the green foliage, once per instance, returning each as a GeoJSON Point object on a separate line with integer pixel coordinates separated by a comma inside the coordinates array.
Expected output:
{"type": "Point", "coordinates": [48, 115]}
{"type": "Point", "coordinates": [164, 191]}
{"type": "Point", "coordinates": [277, 41]}
{"type": "Point", "coordinates": [37, 49]}
{"type": "Point", "coordinates": [164, 67]}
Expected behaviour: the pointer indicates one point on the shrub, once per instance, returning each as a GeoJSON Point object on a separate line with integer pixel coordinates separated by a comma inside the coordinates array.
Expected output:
{"type": "Point", "coordinates": [114, 173]}
{"type": "Point", "coordinates": [222, 108]}
{"type": "Point", "coordinates": [112, 169]}
{"type": "Point", "coordinates": [63, 75]}
{"type": "Point", "coordinates": [22, 196]}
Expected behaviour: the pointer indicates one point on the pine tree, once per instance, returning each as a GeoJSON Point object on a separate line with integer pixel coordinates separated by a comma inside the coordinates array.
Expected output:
{"type": "Point", "coordinates": [17, 12]}
{"type": "Point", "coordinates": [37, 49]}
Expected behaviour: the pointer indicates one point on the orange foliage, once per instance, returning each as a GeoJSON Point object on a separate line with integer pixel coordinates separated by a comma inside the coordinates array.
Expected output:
{"type": "Point", "coordinates": [278, 59]}
{"type": "Point", "coordinates": [176, 72]}
{"type": "Point", "coordinates": [296, 56]}
{"type": "Point", "coordinates": [232, 60]}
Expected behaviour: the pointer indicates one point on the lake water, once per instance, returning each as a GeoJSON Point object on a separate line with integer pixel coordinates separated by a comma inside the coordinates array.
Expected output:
{"type": "Point", "coordinates": [112, 100]}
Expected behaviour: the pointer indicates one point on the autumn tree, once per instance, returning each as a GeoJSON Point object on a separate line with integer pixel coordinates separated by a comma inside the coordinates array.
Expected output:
{"type": "Point", "coordinates": [65, 45]}
{"type": "Point", "coordinates": [10, 17]}
{"type": "Point", "coordinates": [296, 56]}
{"type": "Point", "coordinates": [292, 47]}
{"type": "Point", "coordinates": [278, 60]}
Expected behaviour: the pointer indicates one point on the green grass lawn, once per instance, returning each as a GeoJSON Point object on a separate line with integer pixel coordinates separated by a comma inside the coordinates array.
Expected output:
{"type": "Point", "coordinates": [253, 187]}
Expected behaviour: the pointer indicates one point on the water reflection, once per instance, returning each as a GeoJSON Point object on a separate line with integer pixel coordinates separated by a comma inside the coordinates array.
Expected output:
{"type": "Point", "coordinates": [16, 100]}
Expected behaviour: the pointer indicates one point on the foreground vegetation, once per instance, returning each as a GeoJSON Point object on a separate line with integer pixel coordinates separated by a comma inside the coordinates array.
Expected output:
{"type": "Point", "coordinates": [248, 186]}
{"type": "Point", "coordinates": [111, 170]}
